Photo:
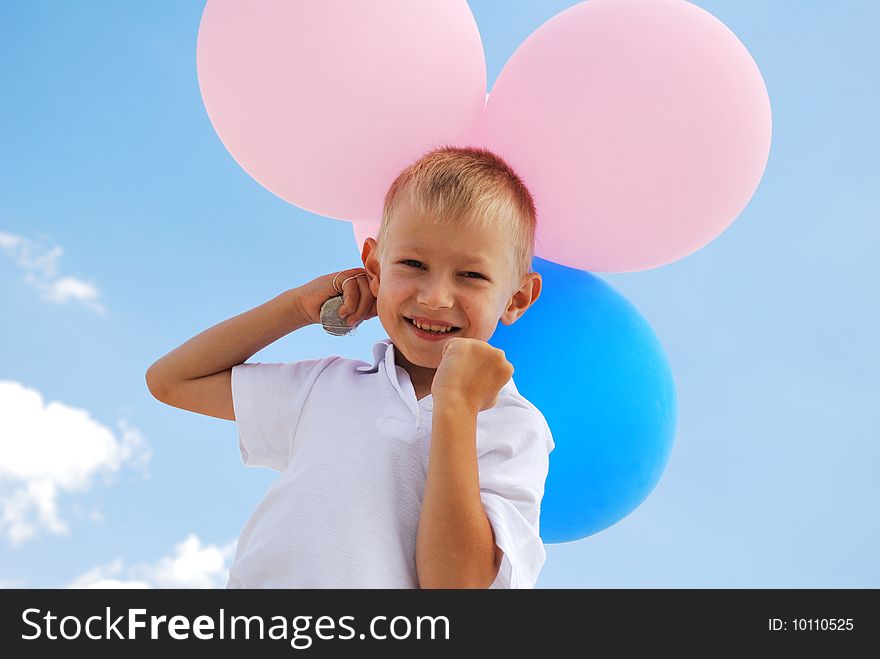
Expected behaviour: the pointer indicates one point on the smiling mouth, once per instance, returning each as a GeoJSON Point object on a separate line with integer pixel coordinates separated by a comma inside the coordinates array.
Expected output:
{"type": "Point", "coordinates": [412, 322]}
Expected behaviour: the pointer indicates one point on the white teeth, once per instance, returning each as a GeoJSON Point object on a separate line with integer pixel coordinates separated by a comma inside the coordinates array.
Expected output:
{"type": "Point", "coordinates": [432, 328]}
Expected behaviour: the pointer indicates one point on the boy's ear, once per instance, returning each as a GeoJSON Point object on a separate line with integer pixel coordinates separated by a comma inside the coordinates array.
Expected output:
{"type": "Point", "coordinates": [522, 298]}
{"type": "Point", "coordinates": [370, 258]}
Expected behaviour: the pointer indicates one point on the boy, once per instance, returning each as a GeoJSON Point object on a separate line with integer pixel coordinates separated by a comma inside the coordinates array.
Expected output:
{"type": "Point", "coordinates": [425, 469]}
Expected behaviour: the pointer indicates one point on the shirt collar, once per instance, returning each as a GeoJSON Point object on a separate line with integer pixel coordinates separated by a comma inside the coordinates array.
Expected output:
{"type": "Point", "coordinates": [380, 353]}
{"type": "Point", "coordinates": [383, 353]}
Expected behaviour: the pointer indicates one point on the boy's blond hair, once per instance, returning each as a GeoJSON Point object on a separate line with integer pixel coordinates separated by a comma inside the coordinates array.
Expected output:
{"type": "Point", "coordinates": [468, 186]}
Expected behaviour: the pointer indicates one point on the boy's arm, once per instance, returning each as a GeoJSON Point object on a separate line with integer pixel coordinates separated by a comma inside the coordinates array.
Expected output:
{"type": "Point", "coordinates": [455, 546]}
{"type": "Point", "coordinates": [196, 376]}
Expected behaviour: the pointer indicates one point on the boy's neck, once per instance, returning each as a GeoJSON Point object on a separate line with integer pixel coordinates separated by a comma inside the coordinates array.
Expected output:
{"type": "Point", "coordinates": [421, 377]}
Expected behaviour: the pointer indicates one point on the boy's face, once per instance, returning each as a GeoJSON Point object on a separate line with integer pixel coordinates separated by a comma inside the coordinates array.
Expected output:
{"type": "Point", "coordinates": [458, 276]}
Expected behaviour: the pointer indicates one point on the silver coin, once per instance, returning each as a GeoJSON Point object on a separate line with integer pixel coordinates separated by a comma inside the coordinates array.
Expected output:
{"type": "Point", "coordinates": [330, 319]}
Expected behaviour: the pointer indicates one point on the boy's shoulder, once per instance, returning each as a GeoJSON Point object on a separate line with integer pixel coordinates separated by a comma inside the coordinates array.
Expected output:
{"type": "Point", "coordinates": [339, 362]}
{"type": "Point", "coordinates": [518, 411]}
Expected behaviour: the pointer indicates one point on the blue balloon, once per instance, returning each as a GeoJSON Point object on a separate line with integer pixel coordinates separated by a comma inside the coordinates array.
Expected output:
{"type": "Point", "coordinates": [591, 363]}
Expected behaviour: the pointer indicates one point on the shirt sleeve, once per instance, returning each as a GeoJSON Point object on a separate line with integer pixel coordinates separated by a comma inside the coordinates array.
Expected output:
{"type": "Point", "coordinates": [512, 476]}
{"type": "Point", "coordinates": [267, 399]}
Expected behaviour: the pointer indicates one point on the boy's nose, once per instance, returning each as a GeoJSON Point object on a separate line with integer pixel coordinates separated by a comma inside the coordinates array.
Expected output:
{"type": "Point", "coordinates": [436, 295]}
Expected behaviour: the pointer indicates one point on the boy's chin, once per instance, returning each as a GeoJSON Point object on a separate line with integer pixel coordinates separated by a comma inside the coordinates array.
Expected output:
{"type": "Point", "coordinates": [420, 358]}
{"type": "Point", "coordinates": [432, 363]}
{"type": "Point", "coordinates": [422, 361]}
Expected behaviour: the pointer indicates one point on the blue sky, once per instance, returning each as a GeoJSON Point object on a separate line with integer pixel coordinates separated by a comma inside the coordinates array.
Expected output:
{"type": "Point", "coordinates": [126, 228]}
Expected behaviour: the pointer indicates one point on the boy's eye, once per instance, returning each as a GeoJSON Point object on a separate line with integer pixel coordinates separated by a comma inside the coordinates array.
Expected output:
{"type": "Point", "coordinates": [477, 275]}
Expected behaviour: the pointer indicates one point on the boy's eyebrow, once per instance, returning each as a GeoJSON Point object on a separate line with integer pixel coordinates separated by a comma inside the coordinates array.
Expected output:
{"type": "Point", "coordinates": [469, 259]}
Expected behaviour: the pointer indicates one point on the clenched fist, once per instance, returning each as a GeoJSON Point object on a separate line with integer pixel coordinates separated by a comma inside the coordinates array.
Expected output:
{"type": "Point", "coordinates": [471, 373]}
{"type": "Point", "coordinates": [359, 301]}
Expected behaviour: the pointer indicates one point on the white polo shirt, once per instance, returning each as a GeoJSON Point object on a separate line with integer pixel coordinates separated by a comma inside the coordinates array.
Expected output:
{"type": "Point", "coordinates": [352, 444]}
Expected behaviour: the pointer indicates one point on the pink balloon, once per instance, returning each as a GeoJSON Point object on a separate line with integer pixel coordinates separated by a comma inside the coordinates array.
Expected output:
{"type": "Point", "coordinates": [642, 128]}
{"type": "Point", "coordinates": [324, 102]}
{"type": "Point", "coordinates": [362, 231]}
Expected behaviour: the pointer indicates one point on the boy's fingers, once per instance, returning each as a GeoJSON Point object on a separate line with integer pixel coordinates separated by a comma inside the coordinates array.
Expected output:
{"type": "Point", "coordinates": [352, 295]}
{"type": "Point", "coordinates": [349, 297]}
{"type": "Point", "coordinates": [365, 298]}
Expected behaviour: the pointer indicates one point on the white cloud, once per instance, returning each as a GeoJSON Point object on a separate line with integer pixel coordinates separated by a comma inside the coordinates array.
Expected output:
{"type": "Point", "coordinates": [12, 583]}
{"type": "Point", "coordinates": [47, 449]}
{"type": "Point", "coordinates": [103, 576]}
{"type": "Point", "coordinates": [68, 288]}
{"type": "Point", "coordinates": [191, 565]}
{"type": "Point", "coordinates": [8, 241]}
{"type": "Point", "coordinates": [40, 266]}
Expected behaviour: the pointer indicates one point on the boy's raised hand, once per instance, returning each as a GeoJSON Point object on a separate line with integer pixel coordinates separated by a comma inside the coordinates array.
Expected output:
{"type": "Point", "coordinates": [360, 303]}
{"type": "Point", "coordinates": [471, 373]}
